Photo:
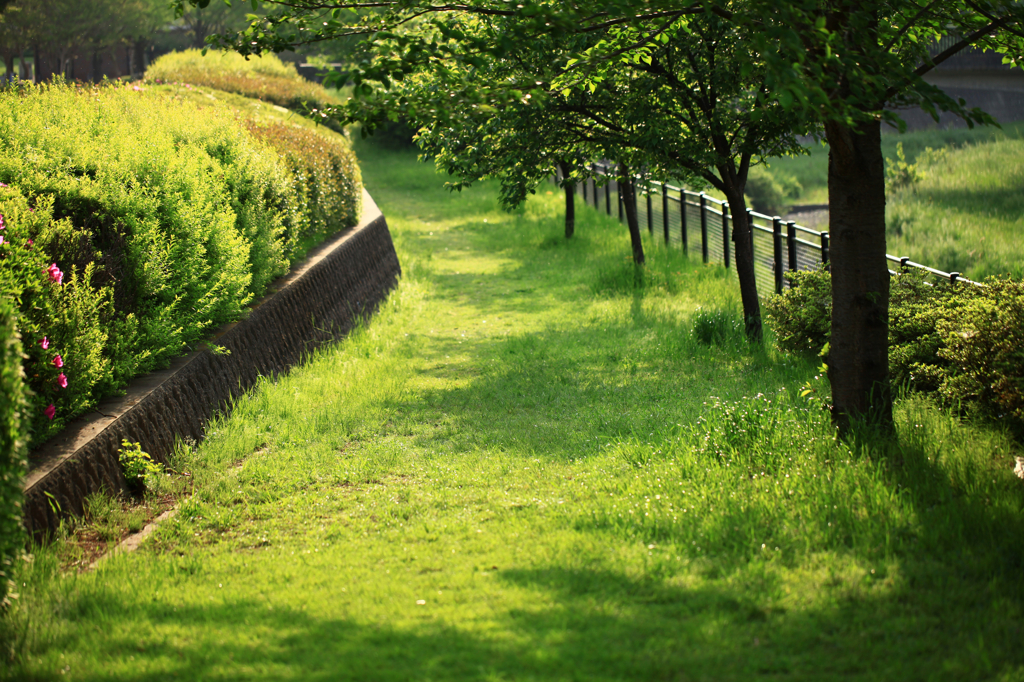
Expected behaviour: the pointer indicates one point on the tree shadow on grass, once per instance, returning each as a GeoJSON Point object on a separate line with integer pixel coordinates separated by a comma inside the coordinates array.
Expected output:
{"type": "Point", "coordinates": [583, 624]}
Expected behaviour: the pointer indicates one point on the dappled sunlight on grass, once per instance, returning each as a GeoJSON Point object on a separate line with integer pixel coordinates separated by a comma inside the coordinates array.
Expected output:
{"type": "Point", "coordinates": [536, 463]}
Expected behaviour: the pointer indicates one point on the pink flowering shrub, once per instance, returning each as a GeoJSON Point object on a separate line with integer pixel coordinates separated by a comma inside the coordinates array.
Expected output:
{"type": "Point", "coordinates": [61, 316]}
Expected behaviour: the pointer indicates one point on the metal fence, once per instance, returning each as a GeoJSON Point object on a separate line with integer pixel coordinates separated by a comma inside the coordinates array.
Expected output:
{"type": "Point", "coordinates": [694, 220]}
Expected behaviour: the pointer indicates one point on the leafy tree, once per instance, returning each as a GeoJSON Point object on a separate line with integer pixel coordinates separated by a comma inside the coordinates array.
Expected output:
{"type": "Point", "coordinates": [835, 63]}
{"type": "Point", "coordinates": [842, 63]}
{"type": "Point", "coordinates": [684, 105]}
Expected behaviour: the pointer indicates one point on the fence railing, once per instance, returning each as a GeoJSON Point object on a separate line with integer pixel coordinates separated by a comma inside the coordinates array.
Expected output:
{"type": "Point", "coordinates": [690, 219]}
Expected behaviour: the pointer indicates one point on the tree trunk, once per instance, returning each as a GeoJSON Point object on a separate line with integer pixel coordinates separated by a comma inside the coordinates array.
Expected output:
{"type": "Point", "coordinates": [628, 189]}
{"type": "Point", "coordinates": [570, 201]}
{"type": "Point", "coordinates": [25, 75]}
{"type": "Point", "coordinates": [40, 70]}
{"type": "Point", "coordinates": [858, 359]}
{"type": "Point", "coordinates": [9, 67]}
{"type": "Point", "coordinates": [742, 237]}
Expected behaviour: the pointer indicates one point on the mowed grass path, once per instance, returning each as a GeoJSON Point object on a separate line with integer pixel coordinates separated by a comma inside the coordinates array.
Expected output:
{"type": "Point", "coordinates": [532, 465]}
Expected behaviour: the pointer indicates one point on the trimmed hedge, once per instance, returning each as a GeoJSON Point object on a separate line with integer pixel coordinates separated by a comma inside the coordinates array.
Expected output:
{"type": "Point", "coordinates": [266, 78]}
{"type": "Point", "coordinates": [136, 224]}
{"type": "Point", "coordinates": [325, 179]}
{"type": "Point", "coordinates": [961, 343]}
{"type": "Point", "coordinates": [12, 446]}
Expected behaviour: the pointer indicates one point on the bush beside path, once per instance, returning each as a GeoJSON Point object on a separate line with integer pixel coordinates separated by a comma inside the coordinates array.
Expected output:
{"type": "Point", "coordinates": [539, 463]}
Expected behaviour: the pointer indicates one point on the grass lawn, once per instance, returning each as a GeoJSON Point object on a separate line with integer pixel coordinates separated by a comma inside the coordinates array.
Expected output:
{"type": "Point", "coordinates": [965, 213]}
{"type": "Point", "coordinates": [535, 464]}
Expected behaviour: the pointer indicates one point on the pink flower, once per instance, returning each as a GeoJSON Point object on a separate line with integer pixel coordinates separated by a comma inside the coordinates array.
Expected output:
{"type": "Point", "coordinates": [3, 184]}
{"type": "Point", "coordinates": [2, 226]}
{"type": "Point", "coordinates": [57, 361]}
{"type": "Point", "coordinates": [136, 88]}
{"type": "Point", "coordinates": [1, 240]}
{"type": "Point", "coordinates": [28, 244]}
{"type": "Point", "coordinates": [50, 412]}
{"type": "Point", "coordinates": [55, 274]}
{"type": "Point", "coordinates": [44, 343]}
{"type": "Point", "coordinates": [62, 380]}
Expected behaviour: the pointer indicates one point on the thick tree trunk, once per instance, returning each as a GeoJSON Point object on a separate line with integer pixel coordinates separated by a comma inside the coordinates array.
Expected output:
{"type": "Point", "coordinates": [742, 237]}
{"type": "Point", "coordinates": [628, 189]}
{"type": "Point", "coordinates": [858, 359]}
{"type": "Point", "coordinates": [570, 202]}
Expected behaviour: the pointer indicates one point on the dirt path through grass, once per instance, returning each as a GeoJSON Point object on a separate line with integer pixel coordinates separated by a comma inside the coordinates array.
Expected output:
{"type": "Point", "coordinates": [533, 465]}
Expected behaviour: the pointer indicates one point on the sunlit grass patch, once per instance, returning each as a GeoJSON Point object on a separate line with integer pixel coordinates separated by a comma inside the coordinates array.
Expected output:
{"type": "Point", "coordinates": [528, 467]}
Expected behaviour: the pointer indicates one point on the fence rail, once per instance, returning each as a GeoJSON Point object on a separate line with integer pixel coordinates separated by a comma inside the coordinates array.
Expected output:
{"type": "Point", "coordinates": [688, 218]}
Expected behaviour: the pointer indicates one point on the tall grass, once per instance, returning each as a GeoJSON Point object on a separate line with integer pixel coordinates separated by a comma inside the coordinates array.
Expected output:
{"type": "Point", "coordinates": [535, 463]}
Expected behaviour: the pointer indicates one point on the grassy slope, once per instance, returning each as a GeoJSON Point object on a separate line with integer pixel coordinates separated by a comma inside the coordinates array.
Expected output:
{"type": "Point", "coordinates": [488, 482]}
{"type": "Point", "coordinates": [967, 211]}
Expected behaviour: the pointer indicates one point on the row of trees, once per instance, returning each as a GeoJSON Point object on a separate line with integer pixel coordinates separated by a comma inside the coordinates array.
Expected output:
{"type": "Point", "coordinates": [694, 89]}
{"type": "Point", "coordinates": [87, 40]}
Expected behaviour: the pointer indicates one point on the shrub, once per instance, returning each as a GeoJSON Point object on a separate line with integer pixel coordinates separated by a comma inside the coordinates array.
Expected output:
{"type": "Point", "coordinates": [12, 445]}
{"type": "Point", "coordinates": [164, 213]}
{"type": "Point", "coordinates": [802, 316]}
{"type": "Point", "coordinates": [326, 180]}
{"type": "Point", "coordinates": [963, 343]}
{"type": "Point", "coordinates": [768, 192]}
{"type": "Point", "coordinates": [984, 342]}
{"type": "Point", "coordinates": [135, 224]}
{"type": "Point", "coordinates": [266, 78]}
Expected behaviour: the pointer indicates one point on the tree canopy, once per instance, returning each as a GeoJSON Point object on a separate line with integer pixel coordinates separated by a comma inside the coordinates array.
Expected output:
{"type": "Point", "coordinates": [839, 66]}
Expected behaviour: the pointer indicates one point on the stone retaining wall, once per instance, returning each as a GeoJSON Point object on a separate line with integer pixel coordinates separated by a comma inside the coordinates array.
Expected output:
{"type": "Point", "coordinates": [318, 302]}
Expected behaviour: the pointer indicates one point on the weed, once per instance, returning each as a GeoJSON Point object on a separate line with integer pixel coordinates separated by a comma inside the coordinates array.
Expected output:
{"type": "Point", "coordinates": [137, 466]}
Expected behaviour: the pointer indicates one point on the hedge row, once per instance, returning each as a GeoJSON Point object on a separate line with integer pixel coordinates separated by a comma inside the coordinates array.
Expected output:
{"type": "Point", "coordinates": [266, 78]}
{"type": "Point", "coordinates": [12, 445]}
{"type": "Point", "coordinates": [134, 224]}
{"type": "Point", "coordinates": [961, 343]}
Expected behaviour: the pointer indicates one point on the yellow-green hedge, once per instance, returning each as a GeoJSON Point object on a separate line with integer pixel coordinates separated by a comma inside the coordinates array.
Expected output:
{"type": "Point", "coordinates": [135, 224]}
{"type": "Point", "coordinates": [266, 78]}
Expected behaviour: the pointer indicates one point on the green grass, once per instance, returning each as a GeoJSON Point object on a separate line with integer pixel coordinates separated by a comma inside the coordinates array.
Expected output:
{"type": "Point", "coordinates": [534, 464]}
{"type": "Point", "coordinates": [966, 212]}
{"type": "Point", "coordinates": [811, 170]}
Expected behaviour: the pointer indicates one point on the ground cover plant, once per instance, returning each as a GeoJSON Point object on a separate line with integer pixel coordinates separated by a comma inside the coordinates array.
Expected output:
{"type": "Point", "coordinates": [538, 463]}
{"type": "Point", "coordinates": [265, 78]}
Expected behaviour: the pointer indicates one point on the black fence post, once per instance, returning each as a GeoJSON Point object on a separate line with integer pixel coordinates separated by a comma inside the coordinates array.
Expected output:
{"type": "Point", "coordinates": [682, 219]}
{"type": "Point", "coordinates": [664, 209]}
{"type": "Point", "coordinates": [777, 252]}
{"type": "Point", "coordinates": [791, 244]}
{"type": "Point", "coordinates": [584, 183]}
{"type": "Point", "coordinates": [618, 193]}
{"type": "Point", "coordinates": [650, 223]}
{"type": "Point", "coordinates": [704, 226]}
{"type": "Point", "coordinates": [824, 249]}
{"type": "Point", "coordinates": [597, 196]}
{"type": "Point", "coordinates": [725, 235]}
